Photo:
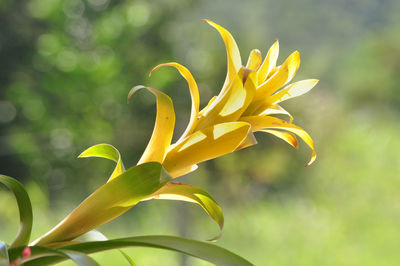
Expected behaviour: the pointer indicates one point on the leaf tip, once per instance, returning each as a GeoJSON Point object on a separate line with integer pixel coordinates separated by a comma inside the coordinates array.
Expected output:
{"type": "Point", "coordinates": [313, 158]}
{"type": "Point", "coordinates": [133, 90]}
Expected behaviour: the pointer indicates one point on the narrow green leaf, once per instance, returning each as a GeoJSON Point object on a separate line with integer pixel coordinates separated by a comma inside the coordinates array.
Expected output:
{"type": "Point", "coordinates": [128, 258]}
{"type": "Point", "coordinates": [36, 253]}
{"type": "Point", "coordinates": [80, 258]}
{"type": "Point", "coordinates": [96, 235]}
{"type": "Point", "coordinates": [44, 256]}
{"type": "Point", "coordinates": [24, 207]}
{"type": "Point", "coordinates": [106, 151]}
{"type": "Point", "coordinates": [189, 193]}
{"type": "Point", "coordinates": [3, 254]}
{"type": "Point", "coordinates": [108, 202]}
{"type": "Point", "coordinates": [199, 249]}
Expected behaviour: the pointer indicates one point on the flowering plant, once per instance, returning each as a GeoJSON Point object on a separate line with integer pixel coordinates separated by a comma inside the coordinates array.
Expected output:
{"type": "Point", "coordinates": [247, 103]}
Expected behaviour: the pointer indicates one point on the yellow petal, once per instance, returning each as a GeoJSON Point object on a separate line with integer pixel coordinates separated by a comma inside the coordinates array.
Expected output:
{"type": "Point", "coordinates": [208, 105]}
{"type": "Point", "coordinates": [106, 151]}
{"type": "Point", "coordinates": [215, 106]}
{"type": "Point", "coordinates": [254, 60]}
{"type": "Point", "coordinates": [283, 75]}
{"type": "Point", "coordinates": [293, 90]}
{"type": "Point", "coordinates": [185, 171]}
{"type": "Point", "coordinates": [260, 123]}
{"type": "Point", "coordinates": [233, 103]}
{"type": "Point", "coordinates": [286, 136]}
{"type": "Point", "coordinates": [250, 140]}
{"type": "Point", "coordinates": [232, 51]}
{"type": "Point", "coordinates": [269, 63]}
{"type": "Point", "coordinates": [194, 94]}
{"type": "Point", "coordinates": [273, 110]}
{"type": "Point", "coordinates": [205, 144]}
{"type": "Point", "coordinates": [163, 128]}
{"type": "Point", "coordinates": [271, 73]}
{"type": "Point", "coordinates": [239, 98]}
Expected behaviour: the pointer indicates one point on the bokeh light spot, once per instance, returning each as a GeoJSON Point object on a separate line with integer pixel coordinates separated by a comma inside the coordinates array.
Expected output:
{"type": "Point", "coordinates": [138, 14]}
{"type": "Point", "coordinates": [66, 60]}
{"type": "Point", "coordinates": [61, 138]}
{"type": "Point", "coordinates": [7, 112]}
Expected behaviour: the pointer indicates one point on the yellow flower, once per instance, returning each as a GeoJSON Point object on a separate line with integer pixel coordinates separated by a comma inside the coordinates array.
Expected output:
{"type": "Point", "coordinates": [249, 97]}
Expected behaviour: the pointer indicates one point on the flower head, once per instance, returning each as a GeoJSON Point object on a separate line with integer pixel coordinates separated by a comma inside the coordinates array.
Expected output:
{"type": "Point", "coordinates": [249, 98]}
{"type": "Point", "coordinates": [247, 102]}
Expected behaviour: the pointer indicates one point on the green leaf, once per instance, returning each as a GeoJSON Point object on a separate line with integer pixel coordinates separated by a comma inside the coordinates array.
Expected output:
{"type": "Point", "coordinates": [96, 235]}
{"type": "Point", "coordinates": [108, 202]}
{"type": "Point", "coordinates": [24, 207]}
{"type": "Point", "coordinates": [36, 253]}
{"type": "Point", "coordinates": [199, 249]}
{"type": "Point", "coordinates": [80, 258]}
{"type": "Point", "coordinates": [45, 255]}
{"type": "Point", "coordinates": [3, 254]}
{"type": "Point", "coordinates": [185, 192]}
{"type": "Point", "coordinates": [128, 258]}
{"type": "Point", "coordinates": [106, 151]}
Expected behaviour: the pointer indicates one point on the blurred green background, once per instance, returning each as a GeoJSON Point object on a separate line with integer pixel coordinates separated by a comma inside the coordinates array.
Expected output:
{"type": "Point", "coordinates": [66, 69]}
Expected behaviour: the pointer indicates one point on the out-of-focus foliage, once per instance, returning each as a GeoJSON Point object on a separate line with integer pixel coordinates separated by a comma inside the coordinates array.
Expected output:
{"type": "Point", "coordinates": [66, 69]}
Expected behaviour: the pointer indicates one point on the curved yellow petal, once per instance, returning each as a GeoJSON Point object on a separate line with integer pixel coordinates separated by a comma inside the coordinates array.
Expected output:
{"type": "Point", "coordinates": [260, 123]}
{"type": "Point", "coordinates": [194, 94]}
{"type": "Point", "coordinates": [185, 171]}
{"type": "Point", "coordinates": [274, 109]}
{"type": "Point", "coordinates": [163, 129]}
{"type": "Point", "coordinates": [283, 75]}
{"type": "Point", "coordinates": [232, 52]}
{"type": "Point", "coordinates": [269, 63]}
{"type": "Point", "coordinates": [205, 144]}
{"type": "Point", "coordinates": [239, 98]}
{"type": "Point", "coordinates": [233, 102]}
{"type": "Point", "coordinates": [293, 90]}
{"type": "Point", "coordinates": [207, 106]}
{"type": "Point", "coordinates": [250, 140]}
{"type": "Point", "coordinates": [254, 60]}
{"type": "Point", "coordinates": [106, 151]}
{"type": "Point", "coordinates": [286, 136]}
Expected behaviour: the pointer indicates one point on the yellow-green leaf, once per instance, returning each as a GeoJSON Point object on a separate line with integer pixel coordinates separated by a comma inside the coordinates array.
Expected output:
{"type": "Point", "coordinates": [189, 193]}
{"type": "Point", "coordinates": [108, 202]}
{"type": "Point", "coordinates": [24, 208]}
{"type": "Point", "coordinates": [106, 151]}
